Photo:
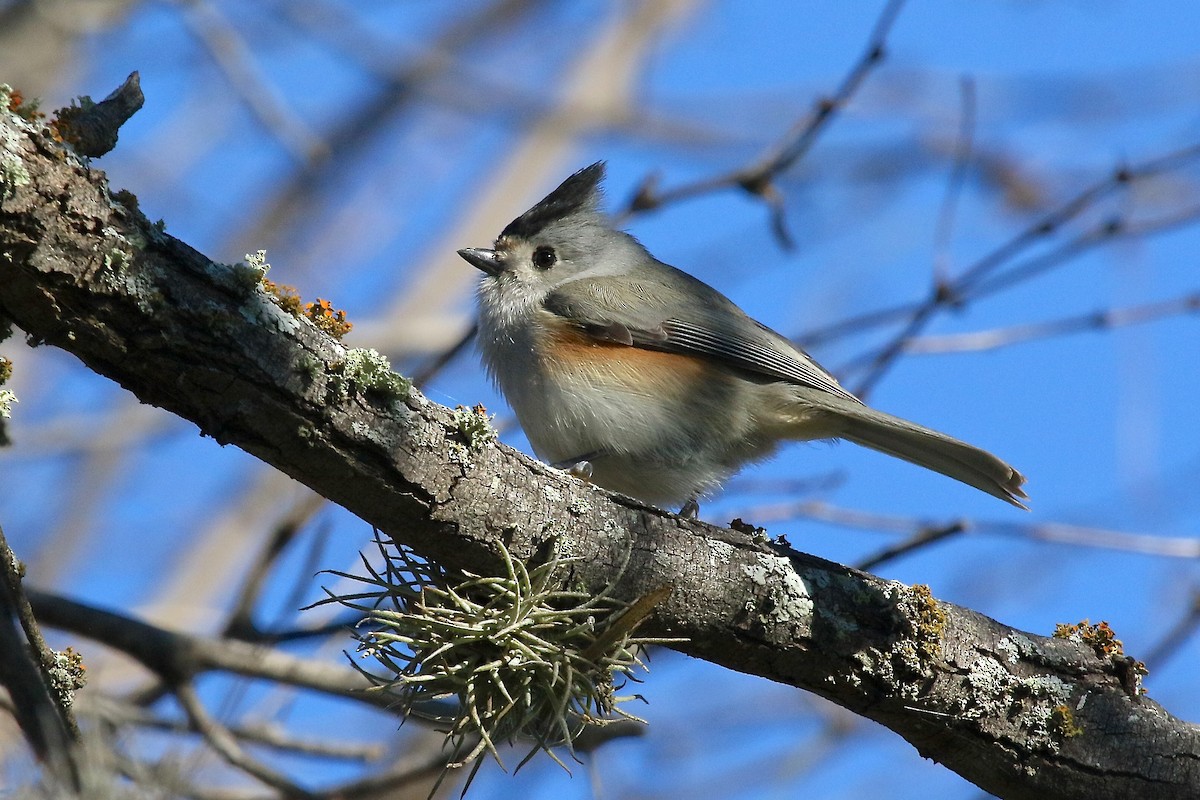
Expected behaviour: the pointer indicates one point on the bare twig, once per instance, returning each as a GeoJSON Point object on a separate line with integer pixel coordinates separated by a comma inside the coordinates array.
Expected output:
{"type": "Point", "coordinates": [38, 703]}
{"type": "Point", "coordinates": [421, 773]}
{"type": "Point", "coordinates": [176, 656]}
{"type": "Point", "coordinates": [758, 177]}
{"type": "Point", "coordinates": [241, 623]}
{"type": "Point", "coordinates": [234, 58]}
{"type": "Point", "coordinates": [116, 712]}
{"type": "Point", "coordinates": [1059, 533]}
{"type": "Point", "coordinates": [1175, 638]}
{"type": "Point", "coordinates": [1043, 226]}
{"type": "Point", "coordinates": [13, 572]}
{"type": "Point", "coordinates": [804, 134]}
{"type": "Point", "coordinates": [1101, 233]}
{"type": "Point", "coordinates": [1106, 319]}
{"type": "Point", "coordinates": [226, 745]}
{"type": "Point", "coordinates": [981, 277]}
{"type": "Point", "coordinates": [1080, 535]}
{"type": "Point", "coordinates": [921, 539]}
{"type": "Point", "coordinates": [371, 119]}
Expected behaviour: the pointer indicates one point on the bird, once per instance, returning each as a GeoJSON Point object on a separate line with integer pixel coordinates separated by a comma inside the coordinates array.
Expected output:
{"type": "Point", "coordinates": [649, 382]}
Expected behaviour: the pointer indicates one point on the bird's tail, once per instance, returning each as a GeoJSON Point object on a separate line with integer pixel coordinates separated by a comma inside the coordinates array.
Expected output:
{"type": "Point", "coordinates": [930, 449]}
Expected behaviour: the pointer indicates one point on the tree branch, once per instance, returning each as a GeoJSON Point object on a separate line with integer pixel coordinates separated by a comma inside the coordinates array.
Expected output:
{"type": "Point", "coordinates": [178, 657]}
{"type": "Point", "coordinates": [1019, 715]}
{"type": "Point", "coordinates": [26, 674]}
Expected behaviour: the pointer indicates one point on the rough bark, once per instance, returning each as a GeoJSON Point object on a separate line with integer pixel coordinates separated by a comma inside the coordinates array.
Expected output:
{"type": "Point", "coordinates": [1020, 715]}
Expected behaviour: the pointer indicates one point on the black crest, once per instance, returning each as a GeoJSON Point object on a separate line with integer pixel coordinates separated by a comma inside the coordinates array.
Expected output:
{"type": "Point", "coordinates": [577, 193]}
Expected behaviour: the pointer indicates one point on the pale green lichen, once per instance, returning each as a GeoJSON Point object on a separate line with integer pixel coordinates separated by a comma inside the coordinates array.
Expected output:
{"type": "Point", "coordinates": [368, 371]}
{"type": "Point", "coordinates": [579, 506]}
{"type": "Point", "coordinates": [912, 657]}
{"type": "Point", "coordinates": [117, 260]}
{"type": "Point", "coordinates": [132, 237]}
{"type": "Point", "coordinates": [308, 367]}
{"type": "Point", "coordinates": [788, 600]}
{"type": "Point", "coordinates": [1015, 646]}
{"type": "Point", "coordinates": [990, 689]}
{"type": "Point", "coordinates": [12, 167]}
{"type": "Point", "coordinates": [475, 428]}
{"type": "Point", "coordinates": [915, 655]}
{"type": "Point", "coordinates": [251, 272]}
{"type": "Point", "coordinates": [1050, 686]}
{"type": "Point", "coordinates": [1041, 718]}
{"type": "Point", "coordinates": [12, 174]}
{"type": "Point", "coordinates": [7, 398]}
{"type": "Point", "coordinates": [1033, 704]}
{"type": "Point", "coordinates": [257, 261]}
{"type": "Point", "coordinates": [68, 675]}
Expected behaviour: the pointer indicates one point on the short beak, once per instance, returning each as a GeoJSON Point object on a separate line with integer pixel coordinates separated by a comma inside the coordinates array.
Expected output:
{"type": "Point", "coordinates": [485, 260]}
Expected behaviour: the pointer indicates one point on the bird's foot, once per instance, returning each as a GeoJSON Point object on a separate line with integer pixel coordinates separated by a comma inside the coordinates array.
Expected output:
{"type": "Point", "coordinates": [579, 466]}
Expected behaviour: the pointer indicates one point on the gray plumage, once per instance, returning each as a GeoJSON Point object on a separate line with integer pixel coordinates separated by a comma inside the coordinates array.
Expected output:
{"type": "Point", "coordinates": [655, 378]}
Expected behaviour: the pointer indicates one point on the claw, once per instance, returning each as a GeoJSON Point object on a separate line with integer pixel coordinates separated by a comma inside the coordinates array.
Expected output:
{"type": "Point", "coordinates": [581, 470]}
{"type": "Point", "coordinates": [580, 467]}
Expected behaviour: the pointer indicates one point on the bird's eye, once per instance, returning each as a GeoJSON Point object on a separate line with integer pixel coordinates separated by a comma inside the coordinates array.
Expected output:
{"type": "Point", "coordinates": [544, 257]}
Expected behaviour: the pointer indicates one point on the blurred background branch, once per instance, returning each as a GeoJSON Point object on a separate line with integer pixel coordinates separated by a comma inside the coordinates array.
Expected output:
{"type": "Point", "coordinates": [952, 180]}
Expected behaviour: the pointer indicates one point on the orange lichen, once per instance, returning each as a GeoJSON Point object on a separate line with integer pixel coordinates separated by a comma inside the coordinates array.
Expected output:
{"type": "Point", "coordinates": [25, 109]}
{"type": "Point", "coordinates": [287, 296]}
{"type": "Point", "coordinates": [1100, 637]}
{"type": "Point", "coordinates": [1103, 640]}
{"type": "Point", "coordinates": [327, 318]}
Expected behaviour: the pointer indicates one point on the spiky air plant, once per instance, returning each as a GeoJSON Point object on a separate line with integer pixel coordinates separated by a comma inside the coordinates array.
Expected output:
{"type": "Point", "coordinates": [505, 659]}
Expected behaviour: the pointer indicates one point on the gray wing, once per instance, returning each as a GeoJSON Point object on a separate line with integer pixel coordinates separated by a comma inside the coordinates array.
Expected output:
{"type": "Point", "coordinates": [688, 317]}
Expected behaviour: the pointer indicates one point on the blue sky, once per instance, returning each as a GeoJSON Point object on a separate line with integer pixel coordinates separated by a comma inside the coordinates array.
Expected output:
{"type": "Point", "coordinates": [1101, 422]}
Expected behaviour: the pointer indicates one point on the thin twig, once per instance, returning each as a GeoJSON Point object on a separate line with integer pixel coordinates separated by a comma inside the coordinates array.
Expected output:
{"type": "Point", "coordinates": [116, 712]}
{"type": "Point", "coordinates": [974, 281]}
{"type": "Point", "coordinates": [758, 177]}
{"type": "Point", "coordinates": [241, 623]}
{"type": "Point", "coordinates": [1105, 319]}
{"type": "Point", "coordinates": [1175, 638]}
{"type": "Point", "coordinates": [1055, 532]}
{"type": "Point", "coordinates": [225, 744]}
{"type": "Point", "coordinates": [234, 58]}
{"type": "Point", "coordinates": [804, 134]}
{"type": "Point", "coordinates": [875, 362]}
{"type": "Point", "coordinates": [176, 656]}
{"type": "Point", "coordinates": [413, 772]}
{"type": "Point", "coordinates": [365, 122]}
{"type": "Point", "coordinates": [44, 718]}
{"type": "Point", "coordinates": [1101, 233]}
{"type": "Point", "coordinates": [918, 541]}
{"type": "Point", "coordinates": [428, 371]}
